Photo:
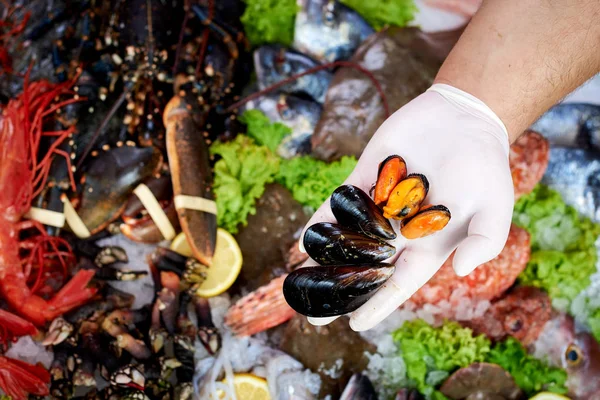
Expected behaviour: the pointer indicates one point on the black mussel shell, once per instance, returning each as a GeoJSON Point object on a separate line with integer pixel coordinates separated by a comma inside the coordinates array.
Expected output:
{"type": "Point", "coordinates": [354, 209]}
{"type": "Point", "coordinates": [331, 244]}
{"type": "Point", "coordinates": [327, 291]}
{"type": "Point", "coordinates": [359, 387]}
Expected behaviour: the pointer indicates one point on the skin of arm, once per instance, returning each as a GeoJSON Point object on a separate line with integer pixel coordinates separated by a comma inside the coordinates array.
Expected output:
{"type": "Point", "coordinates": [522, 57]}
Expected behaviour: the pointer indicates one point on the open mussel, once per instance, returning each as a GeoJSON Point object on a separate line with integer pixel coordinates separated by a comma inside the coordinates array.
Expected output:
{"type": "Point", "coordinates": [331, 244]}
{"type": "Point", "coordinates": [327, 291]}
{"type": "Point", "coordinates": [428, 220]}
{"type": "Point", "coordinates": [355, 210]}
{"type": "Point", "coordinates": [391, 171]}
{"type": "Point", "coordinates": [406, 198]}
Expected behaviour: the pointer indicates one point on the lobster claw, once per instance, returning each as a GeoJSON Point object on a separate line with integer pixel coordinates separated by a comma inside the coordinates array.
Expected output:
{"type": "Point", "coordinates": [192, 177]}
{"type": "Point", "coordinates": [138, 223]}
{"type": "Point", "coordinates": [18, 379]}
{"type": "Point", "coordinates": [109, 180]}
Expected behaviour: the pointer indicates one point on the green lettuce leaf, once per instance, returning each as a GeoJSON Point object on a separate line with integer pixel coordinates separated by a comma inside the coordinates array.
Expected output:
{"type": "Point", "coordinates": [563, 244]}
{"type": "Point", "coordinates": [270, 21]}
{"type": "Point", "coordinates": [432, 354]}
{"type": "Point", "coordinates": [240, 179]}
{"type": "Point", "coordinates": [313, 181]}
{"type": "Point", "coordinates": [379, 13]}
{"type": "Point", "coordinates": [265, 133]}
{"type": "Point", "coordinates": [532, 375]}
{"type": "Point", "coordinates": [429, 352]}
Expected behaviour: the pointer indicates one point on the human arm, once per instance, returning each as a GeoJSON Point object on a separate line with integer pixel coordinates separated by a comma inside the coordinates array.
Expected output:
{"type": "Point", "coordinates": [460, 139]}
{"type": "Point", "coordinates": [522, 57]}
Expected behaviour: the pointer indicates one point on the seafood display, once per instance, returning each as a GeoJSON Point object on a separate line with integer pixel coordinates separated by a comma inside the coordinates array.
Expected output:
{"type": "Point", "coordinates": [118, 279]}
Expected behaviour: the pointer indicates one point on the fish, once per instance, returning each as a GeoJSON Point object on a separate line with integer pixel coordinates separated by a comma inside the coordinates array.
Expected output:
{"type": "Point", "coordinates": [571, 125]}
{"type": "Point", "coordinates": [274, 63]}
{"type": "Point", "coordinates": [575, 174]}
{"type": "Point", "coordinates": [487, 282]}
{"type": "Point", "coordinates": [359, 388]}
{"type": "Point", "coordinates": [277, 221]}
{"type": "Point", "coordinates": [566, 344]}
{"type": "Point", "coordinates": [319, 348]}
{"type": "Point", "coordinates": [404, 61]}
{"type": "Point", "coordinates": [328, 31]}
{"type": "Point", "coordinates": [529, 156]}
{"type": "Point", "coordinates": [522, 313]}
{"type": "Point", "coordinates": [300, 115]}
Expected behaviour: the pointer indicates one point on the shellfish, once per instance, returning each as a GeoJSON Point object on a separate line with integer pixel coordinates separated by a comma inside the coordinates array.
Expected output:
{"type": "Point", "coordinates": [330, 244]}
{"type": "Point", "coordinates": [327, 291]}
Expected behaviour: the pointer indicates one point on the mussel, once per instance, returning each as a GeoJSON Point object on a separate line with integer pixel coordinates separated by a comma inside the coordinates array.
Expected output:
{"type": "Point", "coordinates": [327, 291]}
{"type": "Point", "coordinates": [354, 209]}
{"type": "Point", "coordinates": [391, 171]}
{"type": "Point", "coordinates": [427, 221]}
{"type": "Point", "coordinates": [330, 244]}
{"type": "Point", "coordinates": [406, 198]}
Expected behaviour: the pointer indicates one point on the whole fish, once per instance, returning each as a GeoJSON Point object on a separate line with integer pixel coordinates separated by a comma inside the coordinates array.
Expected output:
{"type": "Point", "coordinates": [575, 174]}
{"type": "Point", "coordinates": [526, 313]}
{"type": "Point", "coordinates": [403, 60]}
{"type": "Point", "coordinates": [522, 314]}
{"type": "Point", "coordinates": [328, 31]}
{"type": "Point", "coordinates": [297, 113]}
{"type": "Point", "coordinates": [274, 63]}
{"type": "Point", "coordinates": [571, 125]}
{"type": "Point", "coordinates": [567, 345]}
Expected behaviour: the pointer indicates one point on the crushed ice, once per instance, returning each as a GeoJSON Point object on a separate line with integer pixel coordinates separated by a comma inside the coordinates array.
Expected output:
{"type": "Point", "coordinates": [287, 378]}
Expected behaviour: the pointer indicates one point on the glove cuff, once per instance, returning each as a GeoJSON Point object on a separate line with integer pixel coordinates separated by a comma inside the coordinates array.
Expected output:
{"type": "Point", "coordinates": [455, 95]}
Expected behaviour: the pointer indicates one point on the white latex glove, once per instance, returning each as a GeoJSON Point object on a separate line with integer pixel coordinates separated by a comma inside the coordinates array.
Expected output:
{"type": "Point", "coordinates": [462, 147]}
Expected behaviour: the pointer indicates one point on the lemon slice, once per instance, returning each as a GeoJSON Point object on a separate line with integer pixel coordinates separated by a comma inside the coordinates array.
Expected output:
{"type": "Point", "coordinates": [249, 387]}
{"type": "Point", "coordinates": [227, 262]}
{"type": "Point", "coordinates": [548, 396]}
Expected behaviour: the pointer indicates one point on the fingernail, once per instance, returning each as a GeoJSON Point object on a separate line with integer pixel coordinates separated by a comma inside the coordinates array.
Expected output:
{"type": "Point", "coordinates": [301, 246]}
{"type": "Point", "coordinates": [321, 321]}
{"type": "Point", "coordinates": [357, 326]}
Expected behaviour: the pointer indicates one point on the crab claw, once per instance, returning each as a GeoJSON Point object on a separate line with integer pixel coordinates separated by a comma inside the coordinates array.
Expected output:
{"type": "Point", "coordinates": [114, 274]}
{"type": "Point", "coordinates": [18, 379]}
{"type": "Point", "coordinates": [128, 376]}
{"type": "Point", "coordinates": [210, 338]}
{"type": "Point", "coordinates": [110, 255]}
{"type": "Point", "coordinates": [58, 332]}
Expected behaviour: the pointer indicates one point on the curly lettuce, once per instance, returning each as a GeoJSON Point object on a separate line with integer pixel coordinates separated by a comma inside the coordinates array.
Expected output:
{"type": "Point", "coordinates": [265, 133]}
{"type": "Point", "coordinates": [381, 13]}
{"type": "Point", "coordinates": [563, 244]}
{"type": "Point", "coordinates": [313, 181]}
{"type": "Point", "coordinates": [240, 178]}
{"type": "Point", "coordinates": [270, 21]}
{"type": "Point", "coordinates": [532, 375]}
{"type": "Point", "coordinates": [432, 354]}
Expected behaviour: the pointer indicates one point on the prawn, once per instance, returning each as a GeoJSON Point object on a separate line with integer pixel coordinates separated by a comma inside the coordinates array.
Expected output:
{"type": "Point", "coordinates": [26, 250]}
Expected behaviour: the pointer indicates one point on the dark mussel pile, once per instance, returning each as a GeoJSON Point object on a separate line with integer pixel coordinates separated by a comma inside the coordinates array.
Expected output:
{"type": "Point", "coordinates": [353, 251]}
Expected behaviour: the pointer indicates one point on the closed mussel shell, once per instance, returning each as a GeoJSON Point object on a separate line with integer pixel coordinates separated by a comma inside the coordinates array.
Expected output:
{"type": "Point", "coordinates": [354, 209]}
{"type": "Point", "coordinates": [327, 291]}
{"type": "Point", "coordinates": [330, 244]}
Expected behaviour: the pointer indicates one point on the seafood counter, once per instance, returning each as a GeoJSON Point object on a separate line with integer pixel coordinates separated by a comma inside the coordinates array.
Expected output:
{"type": "Point", "coordinates": [159, 160]}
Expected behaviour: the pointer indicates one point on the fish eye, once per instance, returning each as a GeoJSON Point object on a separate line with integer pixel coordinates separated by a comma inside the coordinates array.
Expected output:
{"type": "Point", "coordinates": [573, 355]}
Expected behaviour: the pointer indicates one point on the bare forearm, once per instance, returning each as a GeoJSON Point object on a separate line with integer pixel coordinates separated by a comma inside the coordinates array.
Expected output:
{"type": "Point", "coordinates": [522, 57]}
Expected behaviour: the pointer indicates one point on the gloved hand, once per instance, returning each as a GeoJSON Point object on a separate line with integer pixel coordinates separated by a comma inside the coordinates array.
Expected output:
{"type": "Point", "coordinates": [462, 147]}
